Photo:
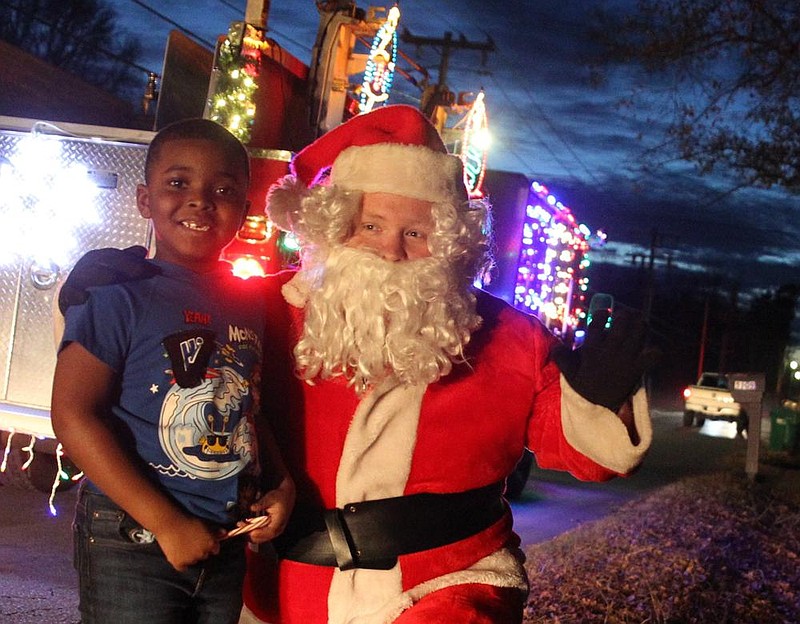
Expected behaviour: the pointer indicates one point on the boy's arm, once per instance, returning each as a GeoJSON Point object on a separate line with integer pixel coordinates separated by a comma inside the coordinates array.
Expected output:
{"type": "Point", "coordinates": [82, 388]}
{"type": "Point", "coordinates": [276, 503]}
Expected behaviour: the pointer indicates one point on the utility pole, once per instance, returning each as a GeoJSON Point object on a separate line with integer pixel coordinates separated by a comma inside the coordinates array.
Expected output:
{"type": "Point", "coordinates": [439, 95]}
{"type": "Point", "coordinates": [701, 358]}
{"type": "Point", "coordinates": [648, 264]}
{"type": "Point", "coordinates": [648, 304]}
{"type": "Point", "coordinates": [256, 12]}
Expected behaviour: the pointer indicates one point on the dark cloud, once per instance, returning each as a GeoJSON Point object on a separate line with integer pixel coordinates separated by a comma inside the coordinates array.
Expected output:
{"type": "Point", "coordinates": [743, 237]}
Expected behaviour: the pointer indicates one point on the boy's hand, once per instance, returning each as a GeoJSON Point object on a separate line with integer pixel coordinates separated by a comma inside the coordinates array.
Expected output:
{"type": "Point", "coordinates": [187, 542]}
{"type": "Point", "coordinates": [608, 367]}
{"type": "Point", "coordinates": [277, 505]}
{"type": "Point", "coordinates": [102, 267]}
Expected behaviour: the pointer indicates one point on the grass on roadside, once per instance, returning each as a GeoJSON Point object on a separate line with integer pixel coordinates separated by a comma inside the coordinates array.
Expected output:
{"type": "Point", "coordinates": [716, 548]}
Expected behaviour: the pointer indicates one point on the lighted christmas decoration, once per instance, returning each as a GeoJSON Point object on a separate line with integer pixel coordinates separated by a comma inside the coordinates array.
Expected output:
{"type": "Point", "coordinates": [44, 199]}
{"type": "Point", "coordinates": [4, 463]}
{"type": "Point", "coordinates": [29, 450]}
{"type": "Point", "coordinates": [251, 251]}
{"type": "Point", "coordinates": [379, 72]}
{"type": "Point", "coordinates": [290, 243]}
{"type": "Point", "coordinates": [61, 474]}
{"type": "Point", "coordinates": [550, 281]}
{"type": "Point", "coordinates": [236, 67]}
{"type": "Point", "coordinates": [475, 146]}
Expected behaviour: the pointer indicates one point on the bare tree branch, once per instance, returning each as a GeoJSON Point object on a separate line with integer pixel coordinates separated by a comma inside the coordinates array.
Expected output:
{"type": "Point", "coordinates": [735, 71]}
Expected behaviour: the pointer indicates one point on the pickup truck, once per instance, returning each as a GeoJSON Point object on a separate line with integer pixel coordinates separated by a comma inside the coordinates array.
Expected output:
{"type": "Point", "coordinates": [710, 399]}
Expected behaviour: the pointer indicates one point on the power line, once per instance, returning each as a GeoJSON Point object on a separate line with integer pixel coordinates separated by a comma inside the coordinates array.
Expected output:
{"type": "Point", "coordinates": [174, 23]}
{"type": "Point", "coordinates": [526, 120]}
{"type": "Point", "coordinates": [240, 11]}
{"type": "Point", "coordinates": [531, 128]}
{"type": "Point", "coordinates": [434, 97]}
{"type": "Point", "coordinates": [231, 6]}
{"type": "Point", "coordinates": [557, 132]}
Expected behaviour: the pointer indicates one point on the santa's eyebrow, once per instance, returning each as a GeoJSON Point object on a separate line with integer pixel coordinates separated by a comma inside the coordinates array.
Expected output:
{"type": "Point", "coordinates": [372, 216]}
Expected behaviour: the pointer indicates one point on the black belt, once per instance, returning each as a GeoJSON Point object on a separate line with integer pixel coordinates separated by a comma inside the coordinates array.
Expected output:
{"type": "Point", "coordinates": [372, 534]}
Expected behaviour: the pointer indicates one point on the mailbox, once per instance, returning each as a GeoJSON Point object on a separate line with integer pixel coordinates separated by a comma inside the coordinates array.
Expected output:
{"type": "Point", "coordinates": [746, 387]}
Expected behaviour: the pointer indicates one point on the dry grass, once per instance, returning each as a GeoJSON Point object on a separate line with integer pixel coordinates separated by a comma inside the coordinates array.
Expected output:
{"type": "Point", "coordinates": [717, 548]}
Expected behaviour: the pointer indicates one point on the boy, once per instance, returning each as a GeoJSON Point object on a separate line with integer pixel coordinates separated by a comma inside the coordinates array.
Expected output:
{"type": "Point", "coordinates": [156, 386]}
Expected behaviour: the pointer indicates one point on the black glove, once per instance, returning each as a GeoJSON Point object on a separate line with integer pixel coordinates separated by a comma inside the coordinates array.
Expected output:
{"type": "Point", "coordinates": [608, 367]}
{"type": "Point", "coordinates": [102, 267]}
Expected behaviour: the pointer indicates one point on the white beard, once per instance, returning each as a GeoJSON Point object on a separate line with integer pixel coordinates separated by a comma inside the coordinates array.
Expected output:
{"type": "Point", "coordinates": [366, 318]}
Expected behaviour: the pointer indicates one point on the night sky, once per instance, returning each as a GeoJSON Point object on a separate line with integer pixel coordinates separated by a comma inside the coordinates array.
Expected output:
{"type": "Point", "coordinates": [549, 123]}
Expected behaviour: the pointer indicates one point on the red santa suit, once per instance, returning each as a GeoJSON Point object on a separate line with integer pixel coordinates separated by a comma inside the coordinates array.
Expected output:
{"type": "Point", "coordinates": [397, 442]}
{"type": "Point", "coordinates": [465, 431]}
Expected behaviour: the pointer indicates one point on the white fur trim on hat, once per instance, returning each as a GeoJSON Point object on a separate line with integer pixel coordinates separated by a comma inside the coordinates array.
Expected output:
{"type": "Point", "coordinates": [409, 170]}
{"type": "Point", "coordinates": [284, 202]}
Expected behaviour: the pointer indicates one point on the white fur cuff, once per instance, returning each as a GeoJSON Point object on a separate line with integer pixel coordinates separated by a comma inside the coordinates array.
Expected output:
{"type": "Point", "coordinates": [598, 433]}
{"type": "Point", "coordinates": [408, 170]}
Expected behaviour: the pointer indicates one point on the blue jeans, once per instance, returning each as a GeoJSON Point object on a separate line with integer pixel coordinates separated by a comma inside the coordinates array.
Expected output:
{"type": "Point", "coordinates": [124, 578]}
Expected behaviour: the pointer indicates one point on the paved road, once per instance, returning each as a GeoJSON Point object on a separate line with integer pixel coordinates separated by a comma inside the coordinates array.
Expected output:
{"type": "Point", "coordinates": [37, 582]}
{"type": "Point", "coordinates": [555, 502]}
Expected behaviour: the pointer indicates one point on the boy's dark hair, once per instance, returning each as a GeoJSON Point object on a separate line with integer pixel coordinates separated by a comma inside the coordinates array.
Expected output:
{"type": "Point", "coordinates": [197, 128]}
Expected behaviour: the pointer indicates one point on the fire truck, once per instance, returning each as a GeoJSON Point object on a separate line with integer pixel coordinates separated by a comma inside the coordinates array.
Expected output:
{"type": "Point", "coordinates": [67, 188]}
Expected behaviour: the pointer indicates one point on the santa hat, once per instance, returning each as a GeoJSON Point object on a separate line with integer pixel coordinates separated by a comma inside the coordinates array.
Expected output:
{"type": "Point", "coordinates": [392, 149]}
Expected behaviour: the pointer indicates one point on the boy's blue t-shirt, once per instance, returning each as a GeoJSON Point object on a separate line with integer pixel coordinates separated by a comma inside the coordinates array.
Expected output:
{"type": "Point", "coordinates": [187, 351]}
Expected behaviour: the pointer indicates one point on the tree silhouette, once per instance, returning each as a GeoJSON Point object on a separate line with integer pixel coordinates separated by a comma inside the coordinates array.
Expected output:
{"type": "Point", "coordinates": [768, 331]}
{"type": "Point", "coordinates": [732, 69]}
{"type": "Point", "coordinates": [80, 36]}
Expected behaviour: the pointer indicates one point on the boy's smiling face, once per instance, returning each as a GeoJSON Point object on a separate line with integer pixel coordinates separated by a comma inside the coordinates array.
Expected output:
{"type": "Point", "coordinates": [196, 196]}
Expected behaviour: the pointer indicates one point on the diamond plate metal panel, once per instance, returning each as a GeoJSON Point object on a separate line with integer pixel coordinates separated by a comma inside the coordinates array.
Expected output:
{"type": "Point", "coordinates": [27, 340]}
{"type": "Point", "coordinates": [9, 294]}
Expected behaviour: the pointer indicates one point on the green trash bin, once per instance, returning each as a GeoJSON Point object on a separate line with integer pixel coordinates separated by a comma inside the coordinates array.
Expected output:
{"type": "Point", "coordinates": [783, 429]}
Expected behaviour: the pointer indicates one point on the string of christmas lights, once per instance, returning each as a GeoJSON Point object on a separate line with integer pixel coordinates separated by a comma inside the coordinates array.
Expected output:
{"type": "Point", "coordinates": [61, 473]}
{"type": "Point", "coordinates": [552, 259]}
{"type": "Point", "coordinates": [475, 146]}
{"type": "Point", "coordinates": [381, 63]}
{"type": "Point", "coordinates": [235, 74]}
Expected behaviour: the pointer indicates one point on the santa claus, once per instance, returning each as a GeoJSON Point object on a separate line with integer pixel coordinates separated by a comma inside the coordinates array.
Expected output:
{"type": "Point", "coordinates": [403, 397]}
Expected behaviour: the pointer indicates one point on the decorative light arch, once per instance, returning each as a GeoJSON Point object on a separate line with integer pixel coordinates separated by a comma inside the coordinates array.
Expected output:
{"type": "Point", "coordinates": [379, 73]}
{"type": "Point", "coordinates": [475, 146]}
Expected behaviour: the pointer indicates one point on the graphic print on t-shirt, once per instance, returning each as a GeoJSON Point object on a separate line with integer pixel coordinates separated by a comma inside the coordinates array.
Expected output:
{"type": "Point", "coordinates": [189, 352]}
{"type": "Point", "coordinates": [203, 428]}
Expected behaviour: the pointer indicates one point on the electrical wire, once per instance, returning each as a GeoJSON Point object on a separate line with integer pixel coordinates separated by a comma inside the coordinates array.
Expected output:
{"type": "Point", "coordinates": [239, 10]}
{"type": "Point", "coordinates": [531, 128]}
{"type": "Point", "coordinates": [525, 120]}
{"type": "Point", "coordinates": [546, 118]}
{"type": "Point", "coordinates": [183, 29]}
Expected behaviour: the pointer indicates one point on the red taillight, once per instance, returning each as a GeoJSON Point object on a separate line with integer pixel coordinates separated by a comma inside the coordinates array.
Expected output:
{"type": "Point", "coordinates": [687, 393]}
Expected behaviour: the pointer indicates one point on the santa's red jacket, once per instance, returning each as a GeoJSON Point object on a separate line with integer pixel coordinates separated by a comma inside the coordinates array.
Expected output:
{"type": "Point", "coordinates": [465, 431]}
